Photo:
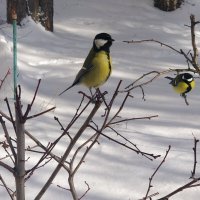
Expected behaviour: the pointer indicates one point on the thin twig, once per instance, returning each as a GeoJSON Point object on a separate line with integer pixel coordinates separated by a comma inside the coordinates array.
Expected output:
{"type": "Point", "coordinates": [180, 189]}
{"type": "Point", "coordinates": [31, 104]}
{"type": "Point", "coordinates": [8, 138]}
{"type": "Point", "coordinates": [119, 110]}
{"type": "Point", "coordinates": [194, 46]}
{"type": "Point", "coordinates": [147, 155]}
{"type": "Point", "coordinates": [68, 150]}
{"type": "Point", "coordinates": [3, 80]}
{"type": "Point", "coordinates": [88, 188]}
{"type": "Point", "coordinates": [82, 158]}
{"type": "Point", "coordinates": [133, 118]}
{"type": "Point", "coordinates": [126, 140]}
{"type": "Point", "coordinates": [135, 83]}
{"type": "Point", "coordinates": [6, 187]}
{"type": "Point", "coordinates": [62, 127]}
{"type": "Point", "coordinates": [41, 113]}
{"type": "Point", "coordinates": [152, 176]}
{"type": "Point", "coordinates": [10, 113]}
{"type": "Point", "coordinates": [37, 142]}
{"type": "Point", "coordinates": [4, 165]}
{"type": "Point", "coordinates": [152, 40]}
{"type": "Point", "coordinates": [195, 158]}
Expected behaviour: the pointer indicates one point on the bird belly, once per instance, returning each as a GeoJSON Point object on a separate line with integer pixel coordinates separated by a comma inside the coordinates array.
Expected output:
{"type": "Point", "coordinates": [182, 87]}
{"type": "Point", "coordinates": [99, 73]}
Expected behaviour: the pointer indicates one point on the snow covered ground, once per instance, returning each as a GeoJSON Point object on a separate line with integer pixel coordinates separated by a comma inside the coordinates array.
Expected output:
{"type": "Point", "coordinates": [111, 171]}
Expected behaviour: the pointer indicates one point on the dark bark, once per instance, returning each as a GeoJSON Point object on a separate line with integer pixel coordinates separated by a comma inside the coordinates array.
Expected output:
{"type": "Point", "coordinates": [40, 10]}
{"type": "Point", "coordinates": [19, 6]}
{"type": "Point", "coordinates": [168, 5]}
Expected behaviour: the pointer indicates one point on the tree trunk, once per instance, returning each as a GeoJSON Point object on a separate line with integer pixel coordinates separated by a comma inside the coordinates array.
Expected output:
{"type": "Point", "coordinates": [20, 165]}
{"type": "Point", "coordinates": [19, 6]}
{"type": "Point", "coordinates": [168, 5]}
{"type": "Point", "coordinates": [46, 17]}
{"type": "Point", "coordinates": [40, 10]}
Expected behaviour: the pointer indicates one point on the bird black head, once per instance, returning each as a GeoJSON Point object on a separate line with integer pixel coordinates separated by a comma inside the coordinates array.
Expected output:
{"type": "Point", "coordinates": [187, 77]}
{"type": "Point", "coordinates": [102, 41]}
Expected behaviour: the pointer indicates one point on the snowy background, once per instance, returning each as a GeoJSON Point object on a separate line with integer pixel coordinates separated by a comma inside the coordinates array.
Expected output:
{"type": "Point", "coordinates": [112, 172]}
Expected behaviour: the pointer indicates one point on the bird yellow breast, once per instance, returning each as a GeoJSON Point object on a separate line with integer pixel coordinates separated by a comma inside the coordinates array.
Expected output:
{"type": "Point", "coordinates": [182, 87]}
{"type": "Point", "coordinates": [100, 71]}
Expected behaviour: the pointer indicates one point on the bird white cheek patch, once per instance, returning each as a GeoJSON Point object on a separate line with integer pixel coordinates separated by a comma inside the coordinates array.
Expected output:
{"type": "Point", "coordinates": [100, 42]}
{"type": "Point", "coordinates": [189, 79]}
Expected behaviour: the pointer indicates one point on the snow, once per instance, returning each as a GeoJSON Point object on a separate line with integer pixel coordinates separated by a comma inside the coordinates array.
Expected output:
{"type": "Point", "coordinates": [111, 171]}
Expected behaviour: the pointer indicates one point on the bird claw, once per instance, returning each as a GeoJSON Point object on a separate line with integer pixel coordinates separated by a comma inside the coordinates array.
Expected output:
{"type": "Point", "coordinates": [96, 97]}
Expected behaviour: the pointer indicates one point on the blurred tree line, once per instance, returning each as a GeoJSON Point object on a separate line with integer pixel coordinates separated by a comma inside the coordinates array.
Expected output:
{"type": "Point", "coordinates": [42, 10]}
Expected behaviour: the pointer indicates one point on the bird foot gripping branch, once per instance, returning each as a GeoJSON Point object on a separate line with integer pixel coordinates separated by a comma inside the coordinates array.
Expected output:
{"type": "Point", "coordinates": [98, 96]}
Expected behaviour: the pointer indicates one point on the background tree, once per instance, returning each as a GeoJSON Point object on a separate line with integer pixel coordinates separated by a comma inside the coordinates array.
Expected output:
{"type": "Point", "coordinates": [40, 10]}
{"type": "Point", "coordinates": [168, 5]}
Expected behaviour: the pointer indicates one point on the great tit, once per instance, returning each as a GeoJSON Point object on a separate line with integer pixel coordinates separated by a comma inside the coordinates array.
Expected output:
{"type": "Point", "coordinates": [97, 66]}
{"type": "Point", "coordinates": [182, 83]}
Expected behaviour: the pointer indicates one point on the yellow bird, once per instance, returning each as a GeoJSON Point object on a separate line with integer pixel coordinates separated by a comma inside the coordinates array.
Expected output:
{"type": "Point", "coordinates": [97, 66]}
{"type": "Point", "coordinates": [182, 83]}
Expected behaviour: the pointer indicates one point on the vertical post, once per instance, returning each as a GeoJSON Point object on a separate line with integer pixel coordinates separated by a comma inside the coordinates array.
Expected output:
{"type": "Point", "coordinates": [14, 18]}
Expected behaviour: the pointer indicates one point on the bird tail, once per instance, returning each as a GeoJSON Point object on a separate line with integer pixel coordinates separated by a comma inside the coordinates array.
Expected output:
{"type": "Point", "coordinates": [170, 78]}
{"type": "Point", "coordinates": [66, 89]}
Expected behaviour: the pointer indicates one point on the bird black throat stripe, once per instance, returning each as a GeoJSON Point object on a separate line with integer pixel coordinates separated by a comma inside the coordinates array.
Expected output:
{"type": "Point", "coordinates": [108, 55]}
{"type": "Point", "coordinates": [189, 88]}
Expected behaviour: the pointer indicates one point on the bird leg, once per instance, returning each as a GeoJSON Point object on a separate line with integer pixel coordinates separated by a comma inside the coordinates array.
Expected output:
{"type": "Point", "coordinates": [185, 98]}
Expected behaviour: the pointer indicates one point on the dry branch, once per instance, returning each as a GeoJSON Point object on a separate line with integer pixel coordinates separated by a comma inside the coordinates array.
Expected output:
{"type": "Point", "coordinates": [151, 178]}
{"type": "Point", "coordinates": [7, 188]}
{"type": "Point", "coordinates": [195, 158]}
{"type": "Point", "coordinates": [3, 80]}
{"type": "Point", "coordinates": [180, 189]}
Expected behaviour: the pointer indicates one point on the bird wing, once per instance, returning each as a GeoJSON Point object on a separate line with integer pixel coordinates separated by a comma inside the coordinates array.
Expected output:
{"type": "Point", "coordinates": [87, 66]}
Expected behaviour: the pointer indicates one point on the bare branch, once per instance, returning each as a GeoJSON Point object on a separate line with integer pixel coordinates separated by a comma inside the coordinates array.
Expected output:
{"type": "Point", "coordinates": [194, 60]}
{"type": "Point", "coordinates": [152, 40]}
{"type": "Point", "coordinates": [4, 165]}
{"type": "Point", "coordinates": [36, 141]}
{"type": "Point", "coordinates": [194, 46]}
{"type": "Point", "coordinates": [128, 141]}
{"type": "Point", "coordinates": [41, 113]}
{"type": "Point", "coordinates": [88, 188]}
{"type": "Point", "coordinates": [6, 187]}
{"type": "Point", "coordinates": [186, 186]}
{"type": "Point", "coordinates": [8, 138]}
{"type": "Point", "coordinates": [31, 104]}
{"type": "Point", "coordinates": [10, 113]}
{"type": "Point", "coordinates": [195, 158]}
{"type": "Point", "coordinates": [133, 118]}
{"type": "Point", "coordinates": [135, 84]}
{"type": "Point", "coordinates": [62, 127]}
{"type": "Point", "coordinates": [73, 171]}
{"type": "Point", "coordinates": [69, 148]}
{"type": "Point", "coordinates": [151, 178]}
{"type": "Point", "coordinates": [147, 155]}
{"type": "Point", "coordinates": [3, 80]}
{"type": "Point", "coordinates": [119, 110]}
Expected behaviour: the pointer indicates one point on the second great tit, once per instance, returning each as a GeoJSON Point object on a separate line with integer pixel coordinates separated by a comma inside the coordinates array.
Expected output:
{"type": "Point", "coordinates": [182, 83]}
